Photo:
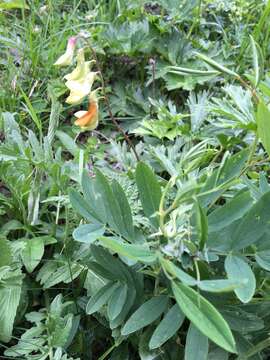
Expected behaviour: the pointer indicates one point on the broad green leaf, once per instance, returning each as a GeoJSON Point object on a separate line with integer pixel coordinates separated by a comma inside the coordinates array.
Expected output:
{"type": "Point", "coordinates": [88, 233]}
{"type": "Point", "coordinates": [222, 285]}
{"type": "Point", "coordinates": [231, 211]}
{"type": "Point", "coordinates": [32, 253]}
{"type": "Point", "coordinates": [201, 224]}
{"type": "Point", "coordinates": [216, 65]}
{"type": "Point", "coordinates": [134, 252]}
{"type": "Point", "coordinates": [10, 293]}
{"type": "Point", "coordinates": [81, 206]}
{"type": "Point", "coordinates": [109, 262]}
{"type": "Point", "coordinates": [263, 123]}
{"type": "Point", "coordinates": [149, 191]}
{"type": "Point", "coordinates": [145, 314]}
{"type": "Point", "coordinates": [176, 272]}
{"type": "Point", "coordinates": [237, 268]}
{"type": "Point", "coordinates": [253, 225]}
{"type": "Point", "coordinates": [94, 198]}
{"type": "Point", "coordinates": [117, 301]}
{"type": "Point", "coordinates": [196, 344]}
{"type": "Point", "coordinates": [168, 326]}
{"type": "Point", "coordinates": [100, 298]}
{"type": "Point", "coordinates": [204, 316]}
{"type": "Point", "coordinates": [5, 252]}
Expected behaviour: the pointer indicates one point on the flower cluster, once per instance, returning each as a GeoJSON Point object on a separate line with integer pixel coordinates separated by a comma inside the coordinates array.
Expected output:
{"type": "Point", "coordinates": [80, 82]}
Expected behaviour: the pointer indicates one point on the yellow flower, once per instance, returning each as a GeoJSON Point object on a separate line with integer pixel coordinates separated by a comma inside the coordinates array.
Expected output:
{"type": "Point", "coordinates": [80, 88]}
{"type": "Point", "coordinates": [82, 68]}
{"type": "Point", "coordinates": [88, 120]}
{"type": "Point", "coordinates": [67, 57]}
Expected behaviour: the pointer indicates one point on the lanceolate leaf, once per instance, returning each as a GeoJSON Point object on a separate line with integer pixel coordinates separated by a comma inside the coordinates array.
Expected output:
{"type": "Point", "coordinates": [146, 314]}
{"type": "Point", "coordinates": [263, 123]}
{"type": "Point", "coordinates": [238, 268]}
{"type": "Point", "coordinates": [204, 316]}
{"type": "Point", "coordinates": [169, 325]}
{"type": "Point", "coordinates": [196, 344]}
{"type": "Point", "coordinates": [117, 301]}
{"type": "Point", "coordinates": [135, 252]}
{"type": "Point", "coordinates": [100, 298]}
{"type": "Point", "coordinates": [149, 190]}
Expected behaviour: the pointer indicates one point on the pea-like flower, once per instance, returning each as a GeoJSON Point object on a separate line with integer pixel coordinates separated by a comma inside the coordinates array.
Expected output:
{"type": "Point", "coordinates": [88, 120]}
{"type": "Point", "coordinates": [82, 69]}
{"type": "Point", "coordinates": [80, 88]}
{"type": "Point", "coordinates": [67, 57]}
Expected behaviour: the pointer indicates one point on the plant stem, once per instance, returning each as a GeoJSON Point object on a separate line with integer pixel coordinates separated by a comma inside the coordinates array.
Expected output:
{"type": "Point", "coordinates": [118, 127]}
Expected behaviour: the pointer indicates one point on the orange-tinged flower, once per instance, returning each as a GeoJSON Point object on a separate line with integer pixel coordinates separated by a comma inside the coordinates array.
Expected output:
{"type": "Point", "coordinates": [67, 57]}
{"type": "Point", "coordinates": [88, 120]}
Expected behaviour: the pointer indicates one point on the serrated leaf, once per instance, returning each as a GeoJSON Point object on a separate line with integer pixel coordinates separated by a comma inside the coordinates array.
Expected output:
{"type": "Point", "coordinates": [204, 316]}
{"type": "Point", "coordinates": [168, 326]}
{"type": "Point", "coordinates": [146, 314]}
{"type": "Point", "coordinates": [149, 191]}
{"type": "Point", "coordinates": [237, 268]}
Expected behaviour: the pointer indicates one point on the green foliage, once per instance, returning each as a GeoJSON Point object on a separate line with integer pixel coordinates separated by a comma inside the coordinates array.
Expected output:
{"type": "Point", "coordinates": [106, 257]}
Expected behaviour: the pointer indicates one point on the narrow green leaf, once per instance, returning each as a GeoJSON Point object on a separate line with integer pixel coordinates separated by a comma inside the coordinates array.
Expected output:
{"type": "Point", "coordinates": [204, 316]}
{"type": "Point", "coordinates": [126, 216]}
{"type": "Point", "coordinates": [100, 298]}
{"type": "Point", "coordinates": [187, 71]}
{"type": "Point", "coordinates": [117, 301]}
{"type": "Point", "coordinates": [178, 273]}
{"type": "Point", "coordinates": [146, 314]}
{"type": "Point", "coordinates": [220, 285]}
{"type": "Point", "coordinates": [201, 224]}
{"type": "Point", "coordinates": [134, 252]}
{"type": "Point", "coordinates": [31, 110]}
{"type": "Point", "coordinates": [237, 268]}
{"type": "Point", "coordinates": [149, 190]}
{"type": "Point", "coordinates": [196, 344]}
{"type": "Point", "coordinates": [263, 123]}
{"type": "Point", "coordinates": [169, 325]}
{"type": "Point", "coordinates": [255, 59]}
{"type": "Point", "coordinates": [216, 65]}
